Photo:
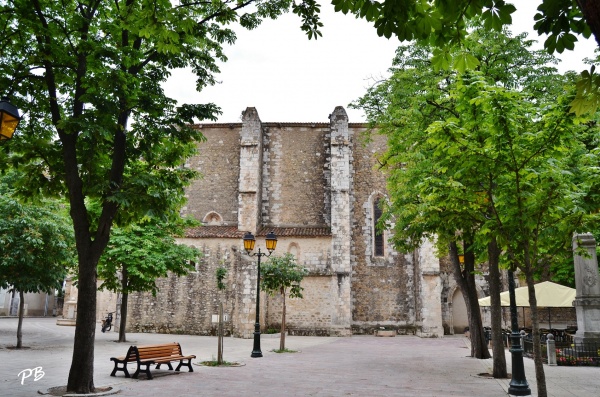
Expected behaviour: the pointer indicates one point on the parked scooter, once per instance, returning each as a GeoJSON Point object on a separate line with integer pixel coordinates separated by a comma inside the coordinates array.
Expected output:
{"type": "Point", "coordinates": [107, 322]}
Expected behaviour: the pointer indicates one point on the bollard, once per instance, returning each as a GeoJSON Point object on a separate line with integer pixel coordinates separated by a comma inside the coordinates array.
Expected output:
{"type": "Point", "coordinates": [551, 349]}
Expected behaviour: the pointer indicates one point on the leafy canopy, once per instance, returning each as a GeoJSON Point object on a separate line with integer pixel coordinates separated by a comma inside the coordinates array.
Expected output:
{"type": "Point", "coordinates": [280, 273]}
{"type": "Point", "coordinates": [445, 24]}
{"type": "Point", "coordinates": [145, 251]}
{"type": "Point", "coordinates": [37, 244]}
{"type": "Point", "coordinates": [491, 153]}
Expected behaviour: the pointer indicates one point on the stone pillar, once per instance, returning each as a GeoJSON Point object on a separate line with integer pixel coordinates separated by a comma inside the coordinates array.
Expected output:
{"type": "Point", "coordinates": [250, 172]}
{"type": "Point", "coordinates": [551, 349]}
{"type": "Point", "coordinates": [587, 298]}
{"type": "Point", "coordinates": [69, 305]}
{"type": "Point", "coordinates": [430, 292]}
{"type": "Point", "coordinates": [341, 224]}
{"type": "Point", "coordinates": [249, 210]}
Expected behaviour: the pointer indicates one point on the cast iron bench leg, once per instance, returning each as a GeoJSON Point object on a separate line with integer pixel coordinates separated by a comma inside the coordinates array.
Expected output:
{"type": "Point", "coordinates": [188, 364]}
{"type": "Point", "coordinates": [169, 364]}
{"type": "Point", "coordinates": [147, 371]}
{"type": "Point", "coordinates": [124, 369]}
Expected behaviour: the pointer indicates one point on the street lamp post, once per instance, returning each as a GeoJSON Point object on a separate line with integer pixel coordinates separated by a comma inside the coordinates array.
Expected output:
{"type": "Point", "coordinates": [271, 243]}
{"type": "Point", "coordinates": [518, 383]}
{"type": "Point", "coordinates": [9, 119]}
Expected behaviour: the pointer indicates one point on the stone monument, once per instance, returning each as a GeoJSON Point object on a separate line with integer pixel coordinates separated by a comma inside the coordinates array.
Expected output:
{"type": "Point", "coordinates": [587, 283]}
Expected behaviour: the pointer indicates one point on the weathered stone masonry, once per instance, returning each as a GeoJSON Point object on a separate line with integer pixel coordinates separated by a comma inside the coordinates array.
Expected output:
{"type": "Point", "coordinates": [316, 186]}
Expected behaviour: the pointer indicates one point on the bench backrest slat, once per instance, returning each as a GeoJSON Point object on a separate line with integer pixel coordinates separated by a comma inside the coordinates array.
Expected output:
{"type": "Point", "coordinates": [154, 351]}
{"type": "Point", "coordinates": [146, 352]}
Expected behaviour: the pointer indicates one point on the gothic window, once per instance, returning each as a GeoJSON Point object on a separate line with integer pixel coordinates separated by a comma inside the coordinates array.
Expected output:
{"type": "Point", "coordinates": [378, 235]}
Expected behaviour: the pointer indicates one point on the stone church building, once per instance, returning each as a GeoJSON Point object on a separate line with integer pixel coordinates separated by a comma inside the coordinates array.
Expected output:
{"type": "Point", "coordinates": [317, 187]}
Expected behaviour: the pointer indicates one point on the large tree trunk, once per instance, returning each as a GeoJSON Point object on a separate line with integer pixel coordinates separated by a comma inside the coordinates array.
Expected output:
{"type": "Point", "coordinates": [220, 336]}
{"type": "Point", "coordinates": [20, 323]}
{"type": "Point", "coordinates": [465, 278]}
{"type": "Point", "coordinates": [90, 246]}
{"type": "Point", "coordinates": [537, 347]}
{"type": "Point", "coordinates": [282, 338]}
{"type": "Point", "coordinates": [81, 375]}
{"type": "Point", "coordinates": [124, 298]}
{"type": "Point", "coordinates": [498, 352]}
{"type": "Point", "coordinates": [591, 14]}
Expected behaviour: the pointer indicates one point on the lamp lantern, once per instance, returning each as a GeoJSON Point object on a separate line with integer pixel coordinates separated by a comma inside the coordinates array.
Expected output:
{"type": "Point", "coordinates": [271, 241]}
{"type": "Point", "coordinates": [249, 242]}
{"type": "Point", "coordinates": [9, 119]}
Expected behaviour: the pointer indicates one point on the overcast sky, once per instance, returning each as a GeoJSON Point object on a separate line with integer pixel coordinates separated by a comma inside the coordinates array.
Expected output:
{"type": "Point", "coordinates": [289, 78]}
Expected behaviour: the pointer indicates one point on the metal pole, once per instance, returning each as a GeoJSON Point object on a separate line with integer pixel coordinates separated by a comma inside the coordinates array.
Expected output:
{"type": "Point", "coordinates": [518, 384]}
{"type": "Point", "coordinates": [256, 352]}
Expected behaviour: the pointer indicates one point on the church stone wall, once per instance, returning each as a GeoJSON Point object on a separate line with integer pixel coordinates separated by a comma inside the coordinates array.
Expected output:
{"type": "Point", "coordinates": [316, 185]}
{"type": "Point", "coordinates": [295, 176]}
{"type": "Point", "coordinates": [317, 312]}
{"type": "Point", "coordinates": [189, 304]}
{"type": "Point", "coordinates": [382, 287]}
{"type": "Point", "coordinates": [314, 314]}
{"type": "Point", "coordinates": [217, 188]}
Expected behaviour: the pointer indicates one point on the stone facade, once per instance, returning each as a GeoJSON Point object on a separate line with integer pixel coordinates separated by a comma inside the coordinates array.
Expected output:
{"type": "Point", "coordinates": [36, 304]}
{"type": "Point", "coordinates": [316, 185]}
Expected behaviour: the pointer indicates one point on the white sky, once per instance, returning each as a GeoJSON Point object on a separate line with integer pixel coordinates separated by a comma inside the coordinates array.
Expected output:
{"type": "Point", "coordinates": [289, 78]}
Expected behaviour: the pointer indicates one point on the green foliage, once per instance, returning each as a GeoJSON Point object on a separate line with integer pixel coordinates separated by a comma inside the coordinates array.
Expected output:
{"type": "Point", "coordinates": [559, 19]}
{"type": "Point", "coordinates": [445, 24]}
{"type": "Point", "coordinates": [215, 363]}
{"type": "Point", "coordinates": [37, 244]}
{"type": "Point", "coordinates": [145, 252]}
{"type": "Point", "coordinates": [488, 153]}
{"type": "Point", "coordinates": [221, 273]}
{"type": "Point", "coordinates": [88, 76]}
{"type": "Point", "coordinates": [280, 273]}
{"type": "Point", "coordinates": [284, 351]}
{"type": "Point", "coordinates": [97, 121]}
{"type": "Point", "coordinates": [588, 93]}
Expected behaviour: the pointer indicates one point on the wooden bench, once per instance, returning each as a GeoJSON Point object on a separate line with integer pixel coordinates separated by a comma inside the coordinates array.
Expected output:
{"type": "Point", "coordinates": [149, 355]}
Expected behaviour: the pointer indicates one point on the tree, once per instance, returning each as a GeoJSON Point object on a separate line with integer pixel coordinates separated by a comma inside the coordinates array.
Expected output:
{"type": "Point", "coordinates": [404, 106]}
{"type": "Point", "coordinates": [37, 248]}
{"type": "Point", "coordinates": [446, 22]}
{"type": "Point", "coordinates": [98, 126]}
{"type": "Point", "coordinates": [530, 153]}
{"type": "Point", "coordinates": [139, 254]}
{"type": "Point", "coordinates": [537, 196]}
{"type": "Point", "coordinates": [279, 274]}
{"type": "Point", "coordinates": [486, 157]}
{"type": "Point", "coordinates": [220, 273]}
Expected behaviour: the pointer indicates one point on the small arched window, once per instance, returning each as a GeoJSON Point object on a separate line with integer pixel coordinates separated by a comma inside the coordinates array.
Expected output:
{"type": "Point", "coordinates": [378, 235]}
{"type": "Point", "coordinates": [213, 219]}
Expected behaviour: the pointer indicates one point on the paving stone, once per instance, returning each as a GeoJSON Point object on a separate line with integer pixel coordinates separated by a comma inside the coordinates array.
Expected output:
{"type": "Point", "coordinates": [404, 366]}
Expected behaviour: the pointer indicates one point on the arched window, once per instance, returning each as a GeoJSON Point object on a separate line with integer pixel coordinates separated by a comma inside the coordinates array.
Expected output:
{"type": "Point", "coordinates": [378, 235]}
{"type": "Point", "coordinates": [213, 219]}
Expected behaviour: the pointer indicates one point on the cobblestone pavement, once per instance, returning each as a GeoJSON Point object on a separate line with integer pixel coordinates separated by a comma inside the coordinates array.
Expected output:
{"type": "Point", "coordinates": [323, 367]}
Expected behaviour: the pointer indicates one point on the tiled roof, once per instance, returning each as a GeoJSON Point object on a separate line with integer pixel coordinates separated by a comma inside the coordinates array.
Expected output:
{"type": "Point", "coordinates": [233, 232]}
{"type": "Point", "coordinates": [296, 231]}
{"type": "Point", "coordinates": [277, 124]}
{"type": "Point", "coordinates": [214, 231]}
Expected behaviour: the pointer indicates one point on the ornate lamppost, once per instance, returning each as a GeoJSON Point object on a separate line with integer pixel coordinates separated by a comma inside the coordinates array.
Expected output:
{"type": "Point", "coordinates": [518, 383]}
{"type": "Point", "coordinates": [271, 243]}
{"type": "Point", "coordinates": [9, 119]}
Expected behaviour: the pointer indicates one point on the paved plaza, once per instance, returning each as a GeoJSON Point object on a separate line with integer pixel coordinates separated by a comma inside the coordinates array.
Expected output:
{"type": "Point", "coordinates": [324, 367]}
